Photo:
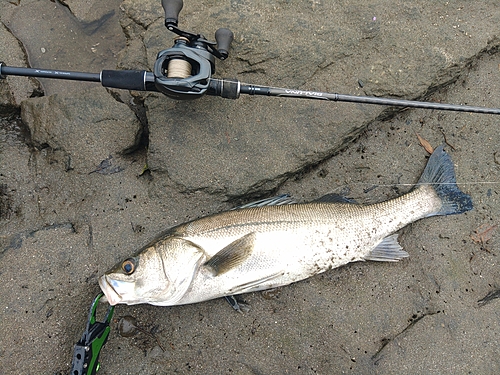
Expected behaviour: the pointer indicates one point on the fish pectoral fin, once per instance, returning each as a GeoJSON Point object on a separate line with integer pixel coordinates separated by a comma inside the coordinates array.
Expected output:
{"type": "Point", "coordinates": [388, 250]}
{"type": "Point", "coordinates": [232, 255]}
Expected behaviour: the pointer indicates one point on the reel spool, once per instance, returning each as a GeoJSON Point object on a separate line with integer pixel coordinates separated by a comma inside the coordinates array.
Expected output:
{"type": "Point", "coordinates": [178, 67]}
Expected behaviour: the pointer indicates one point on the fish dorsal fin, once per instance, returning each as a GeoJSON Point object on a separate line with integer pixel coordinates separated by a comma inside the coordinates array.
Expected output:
{"type": "Point", "coordinates": [232, 255]}
{"type": "Point", "coordinates": [388, 250]}
{"type": "Point", "coordinates": [273, 201]}
{"type": "Point", "coordinates": [287, 199]}
{"type": "Point", "coordinates": [334, 198]}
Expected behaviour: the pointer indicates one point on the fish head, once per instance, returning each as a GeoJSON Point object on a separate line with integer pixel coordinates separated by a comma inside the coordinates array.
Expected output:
{"type": "Point", "coordinates": [135, 279]}
{"type": "Point", "coordinates": [159, 275]}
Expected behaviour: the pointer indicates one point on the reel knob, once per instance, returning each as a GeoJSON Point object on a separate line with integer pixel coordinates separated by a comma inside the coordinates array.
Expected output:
{"type": "Point", "coordinates": [172, 9]}
{"type": "Point", "coordinates": [224, 37]}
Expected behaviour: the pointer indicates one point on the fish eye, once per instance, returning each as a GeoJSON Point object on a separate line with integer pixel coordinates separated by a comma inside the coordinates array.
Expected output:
{"type": "Point", "coordinates": [128, 266]}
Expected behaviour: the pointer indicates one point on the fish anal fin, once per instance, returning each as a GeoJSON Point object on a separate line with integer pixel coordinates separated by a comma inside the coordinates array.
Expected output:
{"type": "Point", "coordinates": [232, 255]}
{"type": "Point", "coordinates": [388, 250]}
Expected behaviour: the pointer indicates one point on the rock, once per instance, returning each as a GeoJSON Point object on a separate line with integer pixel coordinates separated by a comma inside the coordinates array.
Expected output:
{"type": "Point", "coordinates": [143, 12]}
{"type": "Point", "coordinates": [133, 56]}
{"type": "Point", "coordinates": [13, 89]}
{"type": "Point", "coordinates": [91, 11]}
{"type": "Point", "coordinates": [251, 145]}
{"type": "Point", "coordinates": [232, 148]}
{"type": "Point", "coordinates": [89, 126]}
{"type": "Point", "coordinates": [54, 38]}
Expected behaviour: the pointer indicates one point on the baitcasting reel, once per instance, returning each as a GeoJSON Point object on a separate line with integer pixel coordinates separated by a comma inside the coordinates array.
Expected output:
{"type": "Point", "coordinates": [184, 71]}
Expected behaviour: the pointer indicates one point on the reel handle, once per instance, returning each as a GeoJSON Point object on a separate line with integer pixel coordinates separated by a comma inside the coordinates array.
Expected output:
{"type": "Point", "coordinates": [224, 37]}
{"type": "Point", "coordinates": [172, 9]}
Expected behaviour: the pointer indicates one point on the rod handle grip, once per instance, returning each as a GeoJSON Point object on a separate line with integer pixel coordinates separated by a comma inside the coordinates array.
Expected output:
{"type": "Point", "coordinates": [139, 80]}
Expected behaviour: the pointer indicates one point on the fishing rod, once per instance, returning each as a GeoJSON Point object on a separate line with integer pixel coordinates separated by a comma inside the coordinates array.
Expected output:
{"type": "Point", "coordinates": [184, 72]}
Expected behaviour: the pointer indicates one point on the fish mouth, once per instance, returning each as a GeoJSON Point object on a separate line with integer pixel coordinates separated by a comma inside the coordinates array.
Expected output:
{"type": "Point", "coordinates": [109, 292]}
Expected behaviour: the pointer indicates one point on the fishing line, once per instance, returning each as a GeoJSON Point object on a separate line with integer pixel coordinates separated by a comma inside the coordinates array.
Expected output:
{"type": "Point", "coordinates": [445, 183]}
{"type": "Point", "coordinates": [368, 187]}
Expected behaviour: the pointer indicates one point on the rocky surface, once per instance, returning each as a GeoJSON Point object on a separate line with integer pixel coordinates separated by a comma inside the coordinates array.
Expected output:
{"type": "Point", "coordinates": [89, 175]}
{"type": "Point", "coordinates": [14, 90]}
{"type": "Point", "coordinates": [87, 127]}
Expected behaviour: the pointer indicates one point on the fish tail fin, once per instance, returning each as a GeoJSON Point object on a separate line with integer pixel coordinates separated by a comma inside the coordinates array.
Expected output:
{"type": "Point", "coordinates": [440, 174]}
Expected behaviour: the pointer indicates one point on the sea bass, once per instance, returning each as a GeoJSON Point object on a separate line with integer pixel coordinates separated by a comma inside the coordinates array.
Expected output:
{"type": "Point", "coordinates": [256, 248]}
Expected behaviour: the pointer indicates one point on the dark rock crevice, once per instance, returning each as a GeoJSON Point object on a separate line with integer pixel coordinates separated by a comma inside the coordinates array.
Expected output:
{"type": "Point", "coordinates": [412, 321]}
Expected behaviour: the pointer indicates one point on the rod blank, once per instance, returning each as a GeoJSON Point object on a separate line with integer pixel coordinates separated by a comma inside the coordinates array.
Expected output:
{"type": "Point", "coordinates": [146, 81]}
{"type": "Point", "coordinates": [302, 94]}
{"type": "Point", "coordinates": [46, 73]}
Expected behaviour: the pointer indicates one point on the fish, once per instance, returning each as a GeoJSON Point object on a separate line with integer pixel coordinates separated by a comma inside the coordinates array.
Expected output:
{"type": "Point", "coordinates": [277, 242]}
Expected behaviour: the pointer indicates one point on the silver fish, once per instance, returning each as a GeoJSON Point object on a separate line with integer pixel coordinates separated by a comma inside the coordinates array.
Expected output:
{"type": "Point", "coordinates": [275, 244]}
